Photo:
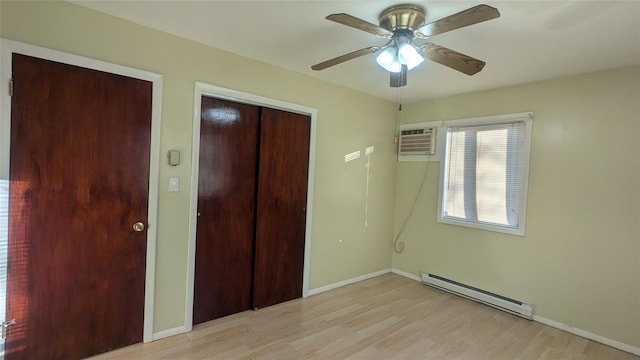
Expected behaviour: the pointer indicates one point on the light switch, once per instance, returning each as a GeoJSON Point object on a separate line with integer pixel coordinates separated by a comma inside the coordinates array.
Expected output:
{"type": "Point", "coordinates": [174, 157]}
{"type": "Point", "coordinates": [174, 184]}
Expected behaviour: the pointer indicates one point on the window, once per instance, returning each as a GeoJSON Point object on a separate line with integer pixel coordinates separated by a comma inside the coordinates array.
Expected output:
{"type": "Point", "coordinates": [484, 173]}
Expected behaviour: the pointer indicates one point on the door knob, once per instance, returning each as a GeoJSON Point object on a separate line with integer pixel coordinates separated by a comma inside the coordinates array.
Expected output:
{"type": "Point", "coordinates": [137, 227]}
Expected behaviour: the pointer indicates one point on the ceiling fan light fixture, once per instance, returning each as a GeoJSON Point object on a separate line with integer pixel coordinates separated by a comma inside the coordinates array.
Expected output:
{"type": "Point", "coordinates": [401, 25]}
{"type": "Point", "coordinates": [408, 54]}
{"type": "Point", "coordinates": [388, 59]}
{"type": "Point", "coordinates": [404, 53]}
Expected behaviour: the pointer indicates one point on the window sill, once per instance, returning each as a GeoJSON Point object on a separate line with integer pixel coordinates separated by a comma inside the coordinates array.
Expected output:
{"type": "Point", "coordinates": [481, 226]}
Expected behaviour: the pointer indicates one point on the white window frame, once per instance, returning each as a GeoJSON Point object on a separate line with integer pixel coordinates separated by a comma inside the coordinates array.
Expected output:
{"type": "Point", "coordinates": [527, 118]}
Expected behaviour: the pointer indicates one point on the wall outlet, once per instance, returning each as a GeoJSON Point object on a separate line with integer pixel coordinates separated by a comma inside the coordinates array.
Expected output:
{"type": "Point", "coordinates": [403, 245]}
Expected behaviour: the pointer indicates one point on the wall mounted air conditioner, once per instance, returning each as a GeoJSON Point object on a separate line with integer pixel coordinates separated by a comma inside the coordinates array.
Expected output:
{"type": "Point", "coordinates": [416, 143]}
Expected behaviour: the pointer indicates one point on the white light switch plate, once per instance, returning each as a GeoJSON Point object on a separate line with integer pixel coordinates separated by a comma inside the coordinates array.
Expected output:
{"type": "Point", "coordinates": [174, 184]}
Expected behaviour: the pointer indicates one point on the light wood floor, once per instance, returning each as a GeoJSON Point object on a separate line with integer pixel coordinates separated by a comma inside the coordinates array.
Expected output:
{"type": "Point", "coordinates": [388, 317]}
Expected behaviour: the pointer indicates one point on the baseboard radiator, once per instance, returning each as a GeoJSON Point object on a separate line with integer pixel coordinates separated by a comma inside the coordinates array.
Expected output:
{"type": "Point", "coordinates": [497, 301]}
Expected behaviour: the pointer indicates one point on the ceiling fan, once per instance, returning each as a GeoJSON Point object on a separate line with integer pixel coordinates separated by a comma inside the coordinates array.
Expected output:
{"type": "Point", "coordinates": [401, 25]}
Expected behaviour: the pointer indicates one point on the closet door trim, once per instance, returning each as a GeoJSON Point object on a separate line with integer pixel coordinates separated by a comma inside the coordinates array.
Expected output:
{"type": "Point", "coordinates": [204, 89]}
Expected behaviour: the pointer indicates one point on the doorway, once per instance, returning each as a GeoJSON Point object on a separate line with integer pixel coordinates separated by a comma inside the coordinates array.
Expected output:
{"type": "Point", "coordinates": [201, 90]}
{"type": "Point", "coordinates": [252, 193]}
{"type": "Point", "coordinates": [60, 204]}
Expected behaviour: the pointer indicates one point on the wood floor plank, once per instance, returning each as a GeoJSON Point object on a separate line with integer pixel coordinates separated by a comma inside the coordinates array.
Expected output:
{"type": "Point", "coordinates": [387, 317]}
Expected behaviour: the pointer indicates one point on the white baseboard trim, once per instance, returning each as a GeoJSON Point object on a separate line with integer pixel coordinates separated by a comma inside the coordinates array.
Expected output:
{"type": "Point", "coordinates": [558, 325]}
{"type": "Point", "coordinates": [356, 279]}
{"type": "Point", "coordinates": [169, 332]}
{"type": "Point", "coordinates": [588, 335]}
{"type": "Point", "coordinates": [406, 274]}
{"type": "Point", "coordinates": [181, 329]}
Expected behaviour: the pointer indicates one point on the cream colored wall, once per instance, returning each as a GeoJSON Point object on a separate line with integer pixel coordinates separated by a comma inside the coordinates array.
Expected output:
{"type": "Point", "coordinates": [342, 247]}
{"type": "Point", "coordinates": [579, 263]}
{"type": "Point", "coordinates": [580, 260]}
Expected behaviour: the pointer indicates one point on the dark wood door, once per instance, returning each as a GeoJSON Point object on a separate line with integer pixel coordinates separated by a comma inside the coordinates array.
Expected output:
{"type": "Point", "coordinates": [226, 208]}
{"type": "Point", "coordinates": [79, 177]}
{"type": "Point", "coordinates": [281, 207]}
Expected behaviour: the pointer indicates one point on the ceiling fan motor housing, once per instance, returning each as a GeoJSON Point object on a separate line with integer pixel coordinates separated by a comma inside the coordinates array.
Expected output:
{"type": "Point", "coordinates": [403, 16]}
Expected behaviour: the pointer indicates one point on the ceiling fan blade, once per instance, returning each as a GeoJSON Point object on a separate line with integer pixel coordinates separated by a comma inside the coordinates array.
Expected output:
{"type": "Point", "coordinates": [346, 57]}
{"type": "Point", "coordinates": [354, 22]}
{"type": "Point", "coordinates": [464, 18]}
{"type": "Point", "coordinates": [453, 59]}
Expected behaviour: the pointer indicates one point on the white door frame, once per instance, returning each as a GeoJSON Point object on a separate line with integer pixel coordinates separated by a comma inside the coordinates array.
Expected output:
{"type": "Point", "coordinates": [8, 48]}
{"type": "Point", "coordinates": [203, 89]}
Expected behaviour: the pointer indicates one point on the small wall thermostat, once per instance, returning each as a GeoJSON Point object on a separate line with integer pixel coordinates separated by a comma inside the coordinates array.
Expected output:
{"type": "Point", "coordinates": [174, 157]}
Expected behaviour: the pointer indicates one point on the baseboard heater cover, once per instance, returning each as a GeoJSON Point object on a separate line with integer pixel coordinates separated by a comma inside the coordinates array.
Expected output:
{"type": "Point", "coordinates": [488, 298]}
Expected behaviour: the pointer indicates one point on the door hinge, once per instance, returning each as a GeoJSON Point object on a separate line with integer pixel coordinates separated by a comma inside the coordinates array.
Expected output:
{"type": "Point", "coordinates": [5, 325]}
{"type": "Point", "coordinates": [11, 87]}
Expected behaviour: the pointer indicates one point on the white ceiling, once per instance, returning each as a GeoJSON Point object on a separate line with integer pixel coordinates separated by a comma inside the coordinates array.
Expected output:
{"type": "Point", "coordinates": [532, 40]}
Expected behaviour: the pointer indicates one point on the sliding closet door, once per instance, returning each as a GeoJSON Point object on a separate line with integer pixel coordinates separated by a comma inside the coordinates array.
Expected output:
{"type": "Point", "coordinates": [226, 208]}
{"type": "Point", "coordinates": [281, 207]}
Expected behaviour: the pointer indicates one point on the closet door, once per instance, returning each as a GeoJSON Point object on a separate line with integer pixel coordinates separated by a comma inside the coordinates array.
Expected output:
{"type": "Point", "coordinates": [226, 207]}
{"type": "Point", "coordinates": [281, 207]}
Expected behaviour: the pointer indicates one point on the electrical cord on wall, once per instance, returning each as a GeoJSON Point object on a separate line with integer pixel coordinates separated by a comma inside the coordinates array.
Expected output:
{"type": "Point", "coordinates": [413, 206]}
{"type": "Point", "coordinates": [424, 175]}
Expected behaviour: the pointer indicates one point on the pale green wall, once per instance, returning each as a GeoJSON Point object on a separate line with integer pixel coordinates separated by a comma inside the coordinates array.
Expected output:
{"type": "Point", "coordinates": [347, 121]}
{"type": "Point", "coordinates": [579, 263]}
{"type": "Point", "coordinates": [580, 260]}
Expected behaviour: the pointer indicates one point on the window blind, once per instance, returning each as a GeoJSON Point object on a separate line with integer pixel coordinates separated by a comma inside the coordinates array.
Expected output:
{"type": "Point", "coordinates": [483, 173]}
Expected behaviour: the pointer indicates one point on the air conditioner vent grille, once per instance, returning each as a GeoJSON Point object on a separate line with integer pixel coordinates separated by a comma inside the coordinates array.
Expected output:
{"type": "Point", "coordinates": [417, 141]}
